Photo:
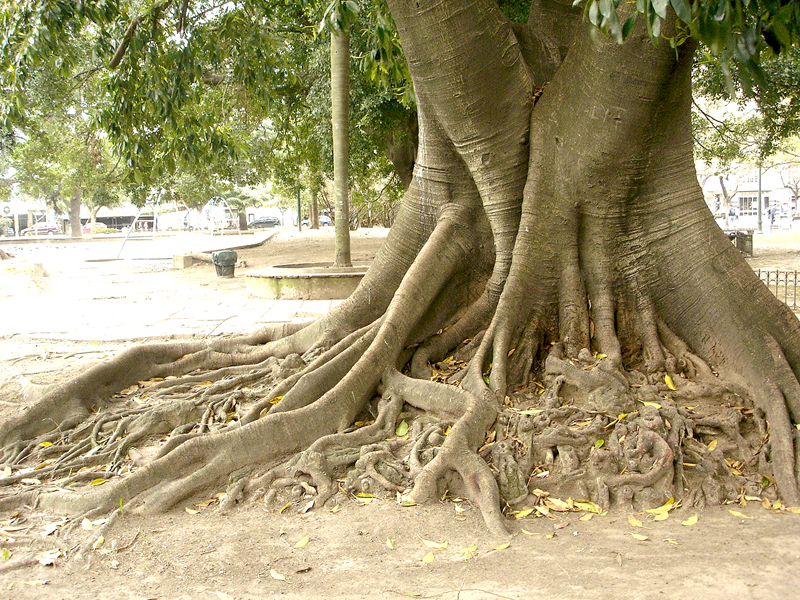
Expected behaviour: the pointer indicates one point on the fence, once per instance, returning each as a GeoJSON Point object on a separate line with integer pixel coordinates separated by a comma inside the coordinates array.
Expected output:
{"type": "Point", "coordinates": [781, 283]}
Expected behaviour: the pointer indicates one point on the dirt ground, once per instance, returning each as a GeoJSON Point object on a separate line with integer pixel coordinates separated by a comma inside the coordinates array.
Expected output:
{"type": "Point", "coordinates": [376, 548]}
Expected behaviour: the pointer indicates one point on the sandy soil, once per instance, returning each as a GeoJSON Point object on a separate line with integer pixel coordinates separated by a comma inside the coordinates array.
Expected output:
{"type": "Point", "coordinates": [379, 550]}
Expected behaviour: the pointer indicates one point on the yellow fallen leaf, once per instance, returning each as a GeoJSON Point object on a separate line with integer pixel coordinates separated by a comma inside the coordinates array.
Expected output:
{"type": "Point", "coordinates": [736, 513]}
{"type": "Point", "coordinates": [86, 524]}
{"type": "Point", "coordinates": [652, 404]}
{"type": "Point", "coordinates": [669, 382]}
{"type": "Point", "coordinates": [469, 552]}
{"type": "Point", "coordinates": [283, 508]}
{"type": "Point", "coordinates": [99, 481]}
{"type": "Point", "coordinates": [640, 537]}
{"type": "Point", "coordinates": [191, 511]}
{"type": "Point", "coordinates": [526, 532]}
{"type": "Point", "coordinates": [275, 575]}
{"type": "Point", "coordinates": [224, 596]}
{"type": "Point", "coordinates": [276, 399]}
{"type": "Point", "coordinates": [792, 509]}
{"type": "Point", "coordinates": [556, 504]}
{"type": "Point", "coordinates": [661, 516]}
{"type": "Point", "coordinates": [46, 444]}
{"type": "Point", "coordinates": [502, 546]}
{"type": "Point", "coordinates": [690, 521]}
{"type": "Point", "coordinates": [335, 509]}
{"type": "Point", "coordinates": [712, 445]}
{"type": "Point", "coordinates": [428, 558]}
{"type": "Point", "coordinates": [205, 384]}
{"type": "Point", "coordinates": [523, 513]}
{"type": "Point", "coordinates": [586, 517]}
{"type": "Point", "coordinates": [302, 543]}
{"type": "Point", "coordinates": [589, 506]}
{"type": "Point", "coordinates": [390, 543]}
{"type": "Point", "coordinates": [98, 542]}
{"type": "Point", "coordinates": [435, 545]}
{"type": "Point", "coordinates": [634, 521]}
{"type": "Point", "coordinates": [402, 429]}
{"type": "Point", "coordinates": [666, 507]}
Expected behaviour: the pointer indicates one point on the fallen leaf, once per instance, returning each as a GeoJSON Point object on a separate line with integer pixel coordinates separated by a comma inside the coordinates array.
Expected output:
{"type": "Point", "coordinates": [712, 445]}
{"type": "Point", "coordinates": [526, 532]}
{"type": "Point", "coordinates": [666, 507]}
{"type": "Point", "coordinates": [224, 596]}
{"type": "Point", "coordinates": [589, 506]}
{"type": "Point", "coordinates": [275, 575]}
{"type": "Point", "coordinates": [336, 508]}
{"type": "Point", "coordinates": [690, 521]}
{"type": "Point", "coordinates": [390, 543]}
{"type": "Point", "coordinates": [428, 558]}
{"type": "Point", "coordinates": [283, 508]}
{"type": "Point", "coordinates": [599, 443]}
{"type": "Point", "coordinates": [556, 504]}
{"type": "Point", "coordinates": [86, 524]}
{"type": "Point", "coordinates": [652, 404]}
{"type": "Point", "coordinates": [640, 537]}
{"type": "Point", "coordinates": [669, 382]}
{"type": "Point", "coordinates": [402, 429]}
{"type": "Point", "coordinates": [502, 546]}
{"type": "Point", "coordinates": [46, 444]}
{"type": "Point", "coordinates": [191, 511]}
{"type": "Point", "coordinates": [302, 543]}
{"type": "Point", "coordinates": [98, 542]}
{"type": "Point", "coordinates": [736, 513]}
{"type": "Point", "coordinates": [634, 521]}
{"type": "Point", "coordinates": [661, 516]}
{"type": "Point", "coordinates": [523, 513]}
{"type": "Point", "coordinates": [48, 558]}
{"type": "Point", "coordinates": [435, 545]}
{"type": "Point", "coordinates": [586, 517]}
{"type": "Point", "coordinates": [469, 552]}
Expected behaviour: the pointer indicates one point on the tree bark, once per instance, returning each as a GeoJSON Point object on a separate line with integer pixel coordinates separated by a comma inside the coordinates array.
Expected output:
{"type": "Point", "coordinates": [75, 229]}
{"type": "Point", "coordinates": [340, 118]}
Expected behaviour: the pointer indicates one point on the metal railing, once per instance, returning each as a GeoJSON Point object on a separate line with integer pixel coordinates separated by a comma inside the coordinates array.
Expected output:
{"type": "Point", "coordinates": [781, 283]}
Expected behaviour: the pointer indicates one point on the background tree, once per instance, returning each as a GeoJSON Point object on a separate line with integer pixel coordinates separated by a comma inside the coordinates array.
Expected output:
{"type": "Point", "coordinates": [553, 233]}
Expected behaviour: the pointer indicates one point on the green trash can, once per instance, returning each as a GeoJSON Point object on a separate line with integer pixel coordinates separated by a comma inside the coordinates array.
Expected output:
{"type": "Point", "coordinates": [225, 262]}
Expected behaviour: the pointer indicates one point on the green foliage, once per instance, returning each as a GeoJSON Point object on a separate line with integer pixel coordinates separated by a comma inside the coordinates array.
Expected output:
{"type": "Point", "coordinates": [734, 31]}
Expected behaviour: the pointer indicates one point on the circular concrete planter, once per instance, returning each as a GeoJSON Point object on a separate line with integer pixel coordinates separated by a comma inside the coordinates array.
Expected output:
{"type": "Point", "coordinates": [305, 281]}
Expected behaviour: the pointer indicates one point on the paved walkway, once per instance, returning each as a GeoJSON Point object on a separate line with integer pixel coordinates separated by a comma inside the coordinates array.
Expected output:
{"type": "Point", "coordinates": [87, 295]}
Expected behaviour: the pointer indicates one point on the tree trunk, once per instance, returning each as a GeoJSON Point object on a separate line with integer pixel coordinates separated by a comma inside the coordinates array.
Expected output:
{"type": "Point", "coordinates": [340, 118]}
{"type": "Point", "coordinates": [75, 229]}
{"type": "Point", "coordinates": [314, 210]}
{"type": "Point", "coordinates": [555, 237]}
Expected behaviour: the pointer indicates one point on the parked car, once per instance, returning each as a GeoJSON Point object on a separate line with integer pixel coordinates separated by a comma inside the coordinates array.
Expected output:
{"type": "Point", "coordinates": [45, 228]}
{"type": "Point", "coordinates": [323, 220]}
{"type": "Point", "coordinates": [264, 222]}
{"type": "Point", "coordinates": [88, 227]}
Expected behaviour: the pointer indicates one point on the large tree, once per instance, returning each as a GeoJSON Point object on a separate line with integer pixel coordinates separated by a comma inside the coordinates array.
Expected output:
{"type": "Point", "coordinates": [553, 239]}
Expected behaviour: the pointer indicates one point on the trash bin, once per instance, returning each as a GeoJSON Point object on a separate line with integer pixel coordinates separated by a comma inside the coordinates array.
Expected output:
{"type": "Point", "coordinates": [225, 262]}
